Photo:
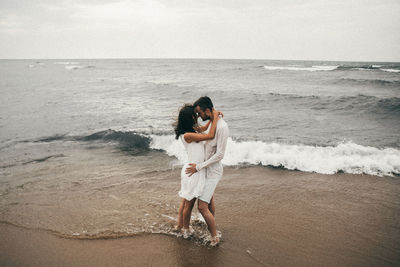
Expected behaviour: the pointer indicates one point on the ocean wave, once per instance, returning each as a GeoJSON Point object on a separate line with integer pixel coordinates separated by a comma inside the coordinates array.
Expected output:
{"type": "Point", "coordinates": [343, 67]}
{"type": "Point", "coordinates": [387, 68]}
{"type": "Point", "coordinates": [367, 103]}
{"type": "Point", "coordinates": [378, 82]}
{"type": "Point", "coordinates": [345, 157]}
{"type": "Point", "coordinates": [358, 67]}
{"type": "Point", "coordinates": [290, 96]}
{"type": "Point", "coordinates": [37, 63]}
{"type": "Point", "coordinates": [391, 70]}
{"type": "Point", "coordinates": [360, 102]}
{"type": "Point", "coordinates": [66, 63]}
{"type": "Point", "coordinates": [127, 141]}
{"type": "Point", "coordinates": [296, 68]}
{"type": "Point", "coordinates": [389, 104]}
{"type": "Point", "coordinates": [75, 67]}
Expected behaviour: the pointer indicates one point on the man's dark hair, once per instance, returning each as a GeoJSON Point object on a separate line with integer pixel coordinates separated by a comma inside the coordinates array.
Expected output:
{"type": "Point", "coordinates": [204, 102]}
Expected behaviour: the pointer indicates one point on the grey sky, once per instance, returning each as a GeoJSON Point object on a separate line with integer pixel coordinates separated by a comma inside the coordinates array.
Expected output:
{"type": "Point", "coordinates": [285, 29]}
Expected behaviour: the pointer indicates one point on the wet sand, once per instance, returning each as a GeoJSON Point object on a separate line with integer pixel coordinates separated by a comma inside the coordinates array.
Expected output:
{"type": "Point", "coordinates": [268, 217]}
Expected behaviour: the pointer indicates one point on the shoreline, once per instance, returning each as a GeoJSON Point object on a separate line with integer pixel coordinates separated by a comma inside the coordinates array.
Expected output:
{"type": "Point", "coordinates": [268, 217]}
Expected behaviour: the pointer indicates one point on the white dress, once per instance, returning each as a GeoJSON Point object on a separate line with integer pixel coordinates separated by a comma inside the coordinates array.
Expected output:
{"type": "Point", "coordinates": [192, 187]}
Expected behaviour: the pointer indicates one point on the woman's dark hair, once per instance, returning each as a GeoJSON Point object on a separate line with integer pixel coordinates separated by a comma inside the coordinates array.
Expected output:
{"type": "Point", "coordinates": [204, 102]}
{"type": "Point", "coordinates": [185, 121]}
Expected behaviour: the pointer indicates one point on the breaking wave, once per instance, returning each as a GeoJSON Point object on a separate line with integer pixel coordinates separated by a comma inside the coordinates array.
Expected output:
{"type": "Point", "coordinates": [345, 157]}
{"type": "Point", "coordinates": [130, 141]}
{"type": "Point", "coordinates": [76, 67]}
{"type": "Point", "coordinates": [386, 68]}
{"type": "Point", "coordinates": [66, 63]}
{"type": "Point", "coordinates": [296, 68]}
{"type": "Point", "coordinates": [394, 68]}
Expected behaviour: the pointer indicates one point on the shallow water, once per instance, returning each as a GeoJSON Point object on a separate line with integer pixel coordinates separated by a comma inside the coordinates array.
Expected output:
{"type": "Point", "coordinates": [273, 216]}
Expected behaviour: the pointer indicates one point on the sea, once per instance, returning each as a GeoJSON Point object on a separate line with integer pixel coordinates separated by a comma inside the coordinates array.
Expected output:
{"type": "Point", "coordinates": [71, 130]}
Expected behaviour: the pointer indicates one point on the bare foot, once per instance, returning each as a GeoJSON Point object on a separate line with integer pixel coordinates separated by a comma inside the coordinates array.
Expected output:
{"type": "Point", "coordinates": [214, 241]}
{"type": "Point", "coordinates": [187, 232]}
{"type": "Point", "coordinates": [177, 229]}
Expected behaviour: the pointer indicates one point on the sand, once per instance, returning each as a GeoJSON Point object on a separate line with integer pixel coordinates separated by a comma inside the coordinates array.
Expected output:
{"type": "Point", "coordinates": [268, 217]}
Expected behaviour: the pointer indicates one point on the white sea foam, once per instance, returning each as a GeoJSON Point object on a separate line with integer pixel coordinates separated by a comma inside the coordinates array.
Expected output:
{"type": "Point", "coordinates": [66, 63]}
{"type": "Point", "coordinates": [390, 70]}
{"type": "Point", "coordinates": [363, 69]}
{"type": "Point", "coordinates": [170, 145]}
{"type": "Point", "coordinates": [313, 68]}
{"type": "Point", "coordinates": [36, 64]}
{"type": "Point", "coordinates": [347, 157]}
{"type": "Point", "coordinates": [74, 67]}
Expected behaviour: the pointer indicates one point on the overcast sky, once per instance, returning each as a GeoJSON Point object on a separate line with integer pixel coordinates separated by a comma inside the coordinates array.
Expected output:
{"type": "Point", "coordinates": [359, 30]}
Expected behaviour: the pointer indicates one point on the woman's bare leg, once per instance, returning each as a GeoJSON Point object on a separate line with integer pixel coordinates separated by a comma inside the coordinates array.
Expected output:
{"type": "Point", "coordinates": [211, 206]}
{"type": "Point", "coordinates": [187, 212]}
{"type": "Point", "coordinates": [208, 217]}
{"type": "Point", "coordinates": [180, 214]}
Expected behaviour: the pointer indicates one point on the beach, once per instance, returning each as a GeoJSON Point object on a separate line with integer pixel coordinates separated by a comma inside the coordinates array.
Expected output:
{"type": "Point", "coordinates": [90, 167]}
{"type": "Point", "coordinates": [267, 217]}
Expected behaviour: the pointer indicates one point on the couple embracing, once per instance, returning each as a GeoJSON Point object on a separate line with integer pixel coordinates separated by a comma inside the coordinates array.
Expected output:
{"type": "Point", "coordinates": [205, 147]}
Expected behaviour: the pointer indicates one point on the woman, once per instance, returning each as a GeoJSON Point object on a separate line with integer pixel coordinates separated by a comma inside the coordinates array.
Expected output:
{"type": "Point", "coordinates": [191, 187]}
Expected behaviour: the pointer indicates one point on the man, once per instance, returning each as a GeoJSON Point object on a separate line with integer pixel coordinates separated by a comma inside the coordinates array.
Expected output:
{"type": "Point", "coordinates": [214, 153]}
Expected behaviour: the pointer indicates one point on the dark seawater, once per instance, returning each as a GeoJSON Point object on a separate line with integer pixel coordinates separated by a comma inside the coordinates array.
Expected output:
{"type": "Point", "coordinates": [77, 132]}
{"type": "Point", "coordinates": [347, 112]}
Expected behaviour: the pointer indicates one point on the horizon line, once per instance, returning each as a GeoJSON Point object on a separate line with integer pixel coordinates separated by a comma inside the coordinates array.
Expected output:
{"type": "Point", "coordinates": [199, 58]}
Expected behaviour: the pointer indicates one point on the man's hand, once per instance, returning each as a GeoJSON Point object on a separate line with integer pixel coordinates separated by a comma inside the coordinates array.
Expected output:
{"type": "Point", "coordinates": [191, 170]}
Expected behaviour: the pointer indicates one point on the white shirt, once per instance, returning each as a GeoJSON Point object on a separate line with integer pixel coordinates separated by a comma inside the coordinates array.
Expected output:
{"type": "Point", "coordinates": [214, 150]}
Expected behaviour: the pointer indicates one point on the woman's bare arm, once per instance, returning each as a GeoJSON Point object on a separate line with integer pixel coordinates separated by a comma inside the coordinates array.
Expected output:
{"type": "Point", "coordinates": [201, 129]}
{"type": "Point", "coordinates": [196, 137]}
